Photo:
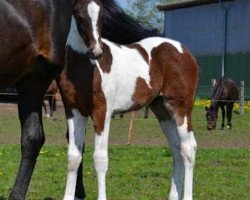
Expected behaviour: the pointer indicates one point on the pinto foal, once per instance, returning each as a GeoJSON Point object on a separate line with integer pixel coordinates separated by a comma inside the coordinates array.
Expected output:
{"type": "Point", "coordinates": [156, 71]}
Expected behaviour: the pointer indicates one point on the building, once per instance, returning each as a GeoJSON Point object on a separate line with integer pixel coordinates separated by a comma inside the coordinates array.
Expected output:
{"type": "Point", "coordinates": [217, 32]}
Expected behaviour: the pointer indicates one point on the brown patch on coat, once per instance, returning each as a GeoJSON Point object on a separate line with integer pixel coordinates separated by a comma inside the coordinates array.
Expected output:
{"type": "Point", "coordinates": [80, 85]}
{"type": "Point", "coordinates": [180, 74]}
{"type": "Point", "coordinates": [141, 50]}
{"type": "Point", "coordinates": [106, 60]}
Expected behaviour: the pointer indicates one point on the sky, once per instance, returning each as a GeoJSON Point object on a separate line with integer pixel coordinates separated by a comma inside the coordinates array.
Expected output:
{"type": "Point", "coordinates": [123, 3]}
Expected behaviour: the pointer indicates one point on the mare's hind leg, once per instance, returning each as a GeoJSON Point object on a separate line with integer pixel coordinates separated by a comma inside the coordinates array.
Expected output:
{"type": "Point", "coordinates": [31, 90]}
{"type": "Point", "coordinates": [182, 144]}
{"type": "Point", "coordinates": [222, 106]}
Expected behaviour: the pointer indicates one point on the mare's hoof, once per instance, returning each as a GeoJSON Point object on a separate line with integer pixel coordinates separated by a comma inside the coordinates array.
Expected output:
{"type": "Point", "coordinates": [229, 127]}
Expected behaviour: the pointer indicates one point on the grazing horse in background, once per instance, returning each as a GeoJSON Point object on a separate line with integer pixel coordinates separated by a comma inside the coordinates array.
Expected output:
{"type": "Point", "coordinates": [101, 77]}
{"type": "Point", "coordinates": [51, 97]}
{"type": "Point", "coordinates": [31, 59]}
{"type": "Point", "coordinates": [225, 94]}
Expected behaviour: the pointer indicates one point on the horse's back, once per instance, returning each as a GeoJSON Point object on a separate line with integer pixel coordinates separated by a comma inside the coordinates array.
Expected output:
{"type": "Point", "coordinates": [232, 90]}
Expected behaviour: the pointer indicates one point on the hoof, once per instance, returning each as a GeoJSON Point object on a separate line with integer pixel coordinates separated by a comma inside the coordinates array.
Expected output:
{"type": "Point", "coordinates": [229, 127]}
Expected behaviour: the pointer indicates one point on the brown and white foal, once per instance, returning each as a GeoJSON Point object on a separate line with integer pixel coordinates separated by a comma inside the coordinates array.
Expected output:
{"type": "Point", "coordinates": [156, 71]}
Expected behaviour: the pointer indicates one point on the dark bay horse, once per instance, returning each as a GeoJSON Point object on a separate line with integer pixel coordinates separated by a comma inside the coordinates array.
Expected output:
{"type": "Point", "coordinates": [101, 77]}
{"type": "Point", "coordinates": [225, 94]}
{"type": "Point", "coordinates": [33, 37]}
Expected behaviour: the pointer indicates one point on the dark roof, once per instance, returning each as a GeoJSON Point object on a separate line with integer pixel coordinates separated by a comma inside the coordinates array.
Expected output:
{"type": "Point", "coordinates": [175, 4]}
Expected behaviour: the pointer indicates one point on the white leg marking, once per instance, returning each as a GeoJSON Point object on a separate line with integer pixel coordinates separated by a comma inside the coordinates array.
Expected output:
{"type": "Point", "coordinates": [76, 126]}
{"type": "Point", "coordinates": [170, 130]}
{"type": "Point", "coordinates": [101, 158]}
{"type": "Point", "coordinates": [188, 151]}
{"type": "Point", "coordinates": [183, 147]}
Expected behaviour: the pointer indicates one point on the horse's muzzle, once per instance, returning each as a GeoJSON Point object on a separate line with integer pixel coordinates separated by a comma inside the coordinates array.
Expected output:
{"type": "Point", "coordinates": [95, 54]}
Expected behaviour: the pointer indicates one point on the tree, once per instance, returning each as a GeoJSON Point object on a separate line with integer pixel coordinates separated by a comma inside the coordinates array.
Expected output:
{"type": "Point", "coordinates": [146, 12]}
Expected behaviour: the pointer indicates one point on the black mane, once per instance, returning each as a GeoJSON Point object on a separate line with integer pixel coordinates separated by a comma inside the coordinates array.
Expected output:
{"type": "Point", "coordinates": [122, 28]}
{"type": "Point", "coordinates": [218, 88]}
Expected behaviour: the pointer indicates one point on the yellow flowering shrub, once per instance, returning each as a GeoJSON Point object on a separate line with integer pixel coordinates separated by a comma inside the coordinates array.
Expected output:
{"type": "Point", "coordinates": [205, 102]}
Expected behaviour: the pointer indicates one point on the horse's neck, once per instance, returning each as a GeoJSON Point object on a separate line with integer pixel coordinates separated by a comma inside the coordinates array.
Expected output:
{"type": "Point", "coordinates": [75, 40]}
{"type": "Point", "coordinates": [216, 97]}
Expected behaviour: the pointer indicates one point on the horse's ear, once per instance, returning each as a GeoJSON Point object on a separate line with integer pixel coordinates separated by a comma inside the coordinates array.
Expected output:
{"type": "Point", "coordinates": [206, 108]}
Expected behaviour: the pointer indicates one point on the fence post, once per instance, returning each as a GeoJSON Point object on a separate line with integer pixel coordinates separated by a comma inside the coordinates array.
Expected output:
{"type": "Point", "coordinates": [130, 129]}
{"type": "Point", "coordinates": [242, 97]}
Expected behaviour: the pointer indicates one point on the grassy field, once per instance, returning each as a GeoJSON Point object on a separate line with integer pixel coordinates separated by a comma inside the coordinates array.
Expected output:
{"type": "Point", "coordinates": [141, 171]}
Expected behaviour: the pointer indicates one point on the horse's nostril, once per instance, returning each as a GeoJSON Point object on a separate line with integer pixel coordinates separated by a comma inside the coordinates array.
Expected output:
{"type": "Point", "coordinates": [93, 55]}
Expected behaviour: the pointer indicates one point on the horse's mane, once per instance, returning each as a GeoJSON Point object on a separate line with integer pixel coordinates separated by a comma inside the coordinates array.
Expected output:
{"type": "Point", "coordinates": [217, 90]}
{"type": "Point", "coordinates": [122, 28]}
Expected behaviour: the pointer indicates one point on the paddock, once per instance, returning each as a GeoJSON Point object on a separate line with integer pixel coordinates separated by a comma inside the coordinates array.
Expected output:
{"type": "Point", "coordinates": [137, 171]}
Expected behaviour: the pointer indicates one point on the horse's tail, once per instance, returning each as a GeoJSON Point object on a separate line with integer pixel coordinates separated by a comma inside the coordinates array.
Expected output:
{"type": "Point", "coordinates": [122, 28]}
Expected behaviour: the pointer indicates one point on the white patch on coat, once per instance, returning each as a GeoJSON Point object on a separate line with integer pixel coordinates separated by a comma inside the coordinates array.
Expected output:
{"type": "Point", "coordinates": [150, 43]}
{"type": "Point", "coordinates": [93, 12]}
{"type": "Point", "coordinates": [75, 40]}
{"type": "Point", "coordinates": [119, 85]}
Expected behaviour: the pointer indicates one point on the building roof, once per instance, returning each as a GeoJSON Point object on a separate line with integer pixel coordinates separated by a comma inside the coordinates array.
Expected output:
{"type": "Point", "coordinates": [176, 4]}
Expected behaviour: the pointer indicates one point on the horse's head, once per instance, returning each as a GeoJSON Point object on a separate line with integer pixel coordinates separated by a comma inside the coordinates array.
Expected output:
{"type": "Point", "coordinates": [211, 116]}
{"type": "Point", "coordinates": [89, 15]}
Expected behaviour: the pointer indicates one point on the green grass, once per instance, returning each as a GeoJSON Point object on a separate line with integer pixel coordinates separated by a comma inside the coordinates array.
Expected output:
{"type": "Point", "coordinates": [138, 172]}
{"type": "Point", "coordinates": [146, 132]}
{"type": "Point", "coordinates": [135, 173]}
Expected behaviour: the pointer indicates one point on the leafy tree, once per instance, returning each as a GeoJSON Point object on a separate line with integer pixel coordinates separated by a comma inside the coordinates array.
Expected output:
{"type": "Point", "coordinates": [146, 12]}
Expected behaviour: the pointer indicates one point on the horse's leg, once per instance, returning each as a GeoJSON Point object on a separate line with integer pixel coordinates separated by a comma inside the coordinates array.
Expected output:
{"type": "Point", "coordinates": [45, 109]}
{"type": "Point", "coordinates": [80, 191]}
{"type": "Point", "coordinates": [222, 106]}
{"type": "Point", "coordinates": [76, 125]}
{"type": "Point", "coordinates": [50, 99]}
{"type": "Point", "coordinates": [54, 102]}
{"type": "Point", "coordinates": [31, 90]}
{"type": "Point", "coordinates": [102, 124]}
{"type": "Point", "coordinates": [183, 147]}
{"type": "Point", "coordinates": [229, 114]}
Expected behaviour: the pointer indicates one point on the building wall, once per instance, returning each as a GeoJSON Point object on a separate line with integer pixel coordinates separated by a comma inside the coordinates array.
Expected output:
{"type": "Point", "coordinates": [201, 29]}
